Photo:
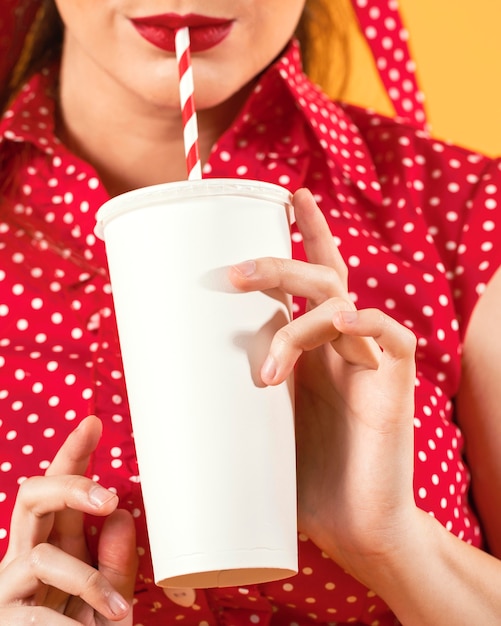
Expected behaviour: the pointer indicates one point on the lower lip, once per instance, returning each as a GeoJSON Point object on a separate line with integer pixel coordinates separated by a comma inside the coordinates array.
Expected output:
{"type": "Point", "coordinates": [201, 37]}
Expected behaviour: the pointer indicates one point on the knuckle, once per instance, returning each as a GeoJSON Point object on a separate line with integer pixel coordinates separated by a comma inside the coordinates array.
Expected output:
{"type": "Point", "coordinates": [332, 282]}
{"type": "Point", "coordinates": [278, 266]}
{"type": "Point", "coordinates": [74, 483]}
{"type": "Point", "coordinates": [286, 335]}
{"type": "Point", "coordinates": [30, 490]}
{"type": "Point", "coordinates": [39, 555]}
{"type": "Point", "coordinates": [93, 581]}
{"type": "Point", "coordinates": [339, 304]}
{"type": "Point", "coordinates": [330, 279]}
{"type": "Point", "coordinates": [33, 492]}
{"type": "Point", "coordinates": [409, 340]}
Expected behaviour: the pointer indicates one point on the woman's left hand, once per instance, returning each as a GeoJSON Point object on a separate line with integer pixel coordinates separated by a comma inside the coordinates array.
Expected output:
{"type": "Point", "coordinates": [354, 382]}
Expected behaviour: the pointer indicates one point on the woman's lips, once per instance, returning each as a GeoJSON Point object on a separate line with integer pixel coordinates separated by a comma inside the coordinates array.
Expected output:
{"type": "Point", "coordinates": [160, 30]}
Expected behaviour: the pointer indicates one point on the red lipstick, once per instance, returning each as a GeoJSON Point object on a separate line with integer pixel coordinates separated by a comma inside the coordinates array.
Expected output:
{"type": "Point", "coordinates": [160, 30]}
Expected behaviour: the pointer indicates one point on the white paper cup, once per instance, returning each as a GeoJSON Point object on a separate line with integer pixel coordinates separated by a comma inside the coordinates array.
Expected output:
{"type": "Point", "coordinates": [215, 447]}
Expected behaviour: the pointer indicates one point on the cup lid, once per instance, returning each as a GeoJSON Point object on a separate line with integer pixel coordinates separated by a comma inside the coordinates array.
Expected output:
{"type": "Point", "coordinates": [156, 194]}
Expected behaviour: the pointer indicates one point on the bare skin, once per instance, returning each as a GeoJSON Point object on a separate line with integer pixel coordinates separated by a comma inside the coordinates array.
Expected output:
{"type": "Point", "coordinates": [479, 410]}
{"type": "Point", "coordinates": [355, 440]}
{"type": "Point", "coordinates": [132, 133]}
{"type": "Point", "coordinates": [46, 576]}
{"type": "Point", "coordinates": [354, 400]}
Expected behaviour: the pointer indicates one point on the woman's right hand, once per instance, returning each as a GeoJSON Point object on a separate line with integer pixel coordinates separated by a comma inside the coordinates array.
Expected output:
{"type": "Point", "coordinates": [46, 576]}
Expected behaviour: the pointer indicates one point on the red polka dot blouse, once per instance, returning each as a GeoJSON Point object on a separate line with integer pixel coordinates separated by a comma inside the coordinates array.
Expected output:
{"type": "Point", "coordinates": [416, 221]}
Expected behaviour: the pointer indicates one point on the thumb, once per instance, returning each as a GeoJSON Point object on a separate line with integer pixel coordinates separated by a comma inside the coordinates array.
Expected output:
{"type": "Point", "coordinates": [117, 561]}
{"type": "Point", "coordinates": [117, 554]}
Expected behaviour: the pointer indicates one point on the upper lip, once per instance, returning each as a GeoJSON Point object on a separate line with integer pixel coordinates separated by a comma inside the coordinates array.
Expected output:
{"type": "Point", "coordinates": [175, 21]}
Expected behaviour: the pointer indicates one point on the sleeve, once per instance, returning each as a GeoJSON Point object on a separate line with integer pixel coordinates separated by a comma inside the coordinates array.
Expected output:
{"type": "Point", "coordinates": [479, 247]}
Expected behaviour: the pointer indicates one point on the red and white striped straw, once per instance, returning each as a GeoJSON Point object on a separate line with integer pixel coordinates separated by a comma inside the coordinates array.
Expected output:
{"type": "Point", "coordinates": [190, 126]}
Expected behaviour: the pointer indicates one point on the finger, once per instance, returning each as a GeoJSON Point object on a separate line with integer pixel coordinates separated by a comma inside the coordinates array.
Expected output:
{"type": "Point", "coordinates": [73, 456]}
{"type": "Point", "coordinates": [117, 559]}
{"type": "Point", "coordinates": [117, 553]}
{"type": "Point", "coordinates": [397, 342]}
{"type": "Point", "coordinates": [315, 282]}
{"type": "Point", "coordinates": [318, 241]}
{"type": "Point", "coordinates": [39, 615]}
{"type": "Point", "coordinates": [310, 331]}
{"type": "Point", "coordinates": [47, 565]}
{"type": "Point", "coordinates": [40, 497]}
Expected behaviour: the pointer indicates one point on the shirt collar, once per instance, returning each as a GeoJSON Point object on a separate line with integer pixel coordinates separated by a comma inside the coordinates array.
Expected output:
{"type": "Point", "coordinates": [31, 119]}
{"type": "Point", "coordinates": [284, 91]}
{"type": "Point", "coordinates": [347, 154]}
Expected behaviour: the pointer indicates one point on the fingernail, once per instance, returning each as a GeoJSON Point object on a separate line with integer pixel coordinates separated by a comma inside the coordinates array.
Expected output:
{"type": "Point", "coordinates": [348, 317]}
{"type": "Point", "coordinates": [269, 369]}
{"type": "Point", "coordinates": [99, 495]}
{"type": "Point", "coordinates": [116, 603]}
{"type": "Point", "coordinates": [247, 268]}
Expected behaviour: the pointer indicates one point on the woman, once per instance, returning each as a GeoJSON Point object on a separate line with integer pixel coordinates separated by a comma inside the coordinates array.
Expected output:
{"type": "Point", "coordinates": [414, 220]}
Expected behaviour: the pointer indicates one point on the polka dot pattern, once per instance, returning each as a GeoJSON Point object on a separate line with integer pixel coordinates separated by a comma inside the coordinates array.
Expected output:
{"type": "Point", "coordinates": [383, 28]}
{"type": "Point", "coordinates": [414, 218]}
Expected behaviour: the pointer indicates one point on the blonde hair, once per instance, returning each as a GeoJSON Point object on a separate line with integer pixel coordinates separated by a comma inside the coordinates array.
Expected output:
{"type": "Point", "coordinates": [323, 32]}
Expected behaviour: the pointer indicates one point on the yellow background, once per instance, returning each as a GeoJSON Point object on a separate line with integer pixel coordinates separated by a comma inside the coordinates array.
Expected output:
{"type": "Point", "coordinates": [457, 47]}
